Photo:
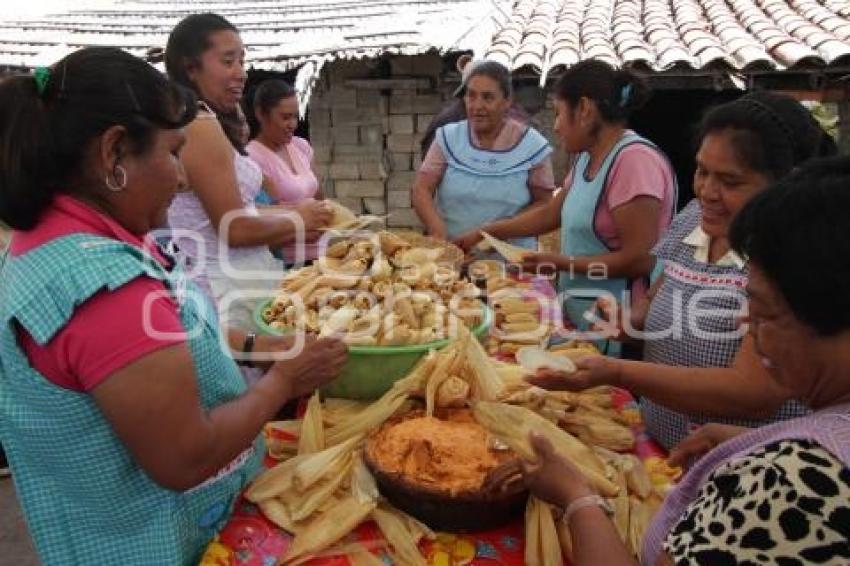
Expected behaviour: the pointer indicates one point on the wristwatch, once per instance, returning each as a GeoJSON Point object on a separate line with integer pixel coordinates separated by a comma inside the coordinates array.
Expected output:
{"type": "Point", "coordinates": [586, 501]}
{"type": "Point", "coordinates": [248, 347]}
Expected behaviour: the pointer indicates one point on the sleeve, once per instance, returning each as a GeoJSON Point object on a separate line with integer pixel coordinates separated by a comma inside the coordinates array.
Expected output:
{"type": "Point", "coordinates": [541, 175]}
{"type": "Point", "coordinates": [108, 332]}
{"type": "Point", "coordinates": [258, 158]}
{"type": "Point", "coordinates": [435, 163]}
{"type": "Point", "coordinates": [786, 504]}
{"type": "Point", "coordinates": [639, 170]}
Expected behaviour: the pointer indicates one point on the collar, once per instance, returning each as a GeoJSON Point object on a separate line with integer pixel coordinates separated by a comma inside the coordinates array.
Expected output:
{"type": "Point", "coordinates": [702, 243]}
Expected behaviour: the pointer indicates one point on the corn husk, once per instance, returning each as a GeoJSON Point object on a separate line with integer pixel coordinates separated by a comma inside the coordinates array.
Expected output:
{"type": "Point", "coordinates": [542, 546]}
{"type": "Point", "coordinates": [363, 557]}
{"type": "Point", "coordinates": [278, 513]}
{"type": "Point", "coordinates": [328, 527]}
{"type": "Point", "coordinates": [621, 504]}
{"type": "Point", "coordinates": [565, 538]}
{"type": "Point", "coordinates": [485, 383]}
{"type": "Point", "coordinates": [513, 425]}
{"type": "Point", "coordinates": [312, 434]}
{"type": "Point", "coordinates": [317, 466]}
{"type": "Point", "coordinates": [335, 410]}
{"type": "Point", "coordinates": [513, 254]}
{"type": "Point", "coordinates": [436, 379]}
{"type": "Point", "coordinates": [598, 431]}
{"type": "Point", "coordinates": [637, 477]}
{"type": "Point", "coordinates": [363, 485]}
{"type": "Point", "coordinates": [274, 481]}
{"type": "Point", "coordinates": [454, 392]}
{"type": "Point", "coordinates": [395, 529]}
{"type": "Point", "coordinates": [303, 504]}
{"type": "Point", "coordinates": [640, 515]}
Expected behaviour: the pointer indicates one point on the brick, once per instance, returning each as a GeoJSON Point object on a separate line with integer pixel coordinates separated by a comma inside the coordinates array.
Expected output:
{"type": "Point", "coordinates": [352, 203]}
{"type": "Point", "coordinates": [343, 69]}
{"type": "Point", "coordinates": [349, 171]}
{"type": "Point", "coordinates": [401, 161]}
{"type": "Point", "coordinates": [377, 206]}
{"type": "Point", "coordinates": [402, 124]}
{"type": "Point", "coordinates": [401, 143]}
{"type": "Point", "coordinates": [403, 218]}
{"type": "Point", "coordinates": [345, 135]}
{"type": "Point", "coordinates": [417, 161]}
{"type": "Point", "coordinates": [422, 122]}
{"type": "Point", "coordinates": [318, 117]}
{"type": "Point", "coordinates": [370, 99]}
{"type": "Point", "coordinates": [343, 97]}
{"type": "Point", "coordinates": [401, 181]}
{"type": "Point", "coordinates": [322, 153]}
{"type": "Point", "coordinates": [372, 170]}
{"type": "Point", "coordinates": [363, 151]}
{"type": "Point", "coordinates": [401, 101]}
{"type": "Point", "coordinates": [359, 188]}
{"type": "Point", "coordinates": [398, 199]}
{"type": "Point", "coordinates": [355, 117]}
{"type": "Point", "coordinates": [372, 135]}
{"type": "Point", "coordinates": [427, 103]}
{"type": "Point", "coordinates": [328, 188]}
{"type": "Point", "coordinates": [320, 135]}
{"type": "Point", "coordinates": [320, 101]}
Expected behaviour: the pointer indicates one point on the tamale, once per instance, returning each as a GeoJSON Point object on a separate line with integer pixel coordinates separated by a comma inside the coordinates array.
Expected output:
{"type": "Point", "coordinates": [395, 530]}
{"type": "Point", "coordinates": [312, 434]}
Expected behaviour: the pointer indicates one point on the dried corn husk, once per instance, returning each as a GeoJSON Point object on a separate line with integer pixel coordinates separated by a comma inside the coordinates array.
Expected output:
{"type": "Point", "coordinates": [513, 254]}
{"type": "Point", "coordinates": [363, 557]}
{"type": "Point", "coordinates": [541, 538]}
{"type": "Point", "coordinates": [565, 538]}
{"type": "Point", "coordinates": [640, 515]}
{"type": "Point", "coordinates": [328, 527]}
{"type": "Point", "coordinates": [363, 485]}
{"type": "Point", "coordinates": [274, 481]}
{"type": "Point", "coordinates": [637, 477]}
{"type": "Point", "coordinates": [303, 504]}
{"type": "Point", "coordinates": [453, 392]}
{"type": "Point", "coordinates": [276, 512]}
{"type": "Point", "coordinates": [485, 383]}
{"type": "Point", "coordinates": [437, 377]}
{"type": "Point", "coordinates": [397, 533]}
{"type": "Point", "coordinates": [598, 431]}
{"type": "Point", "coordinates": [312, 434]}
{"type": "Point", "coordinates": [317, 466]}
{"type": "Point", "coordinates": [513, 425]}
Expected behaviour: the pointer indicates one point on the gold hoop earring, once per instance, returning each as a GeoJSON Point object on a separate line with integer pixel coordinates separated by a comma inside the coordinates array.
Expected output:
{"type": "Point", "coordinates": [118, 185]}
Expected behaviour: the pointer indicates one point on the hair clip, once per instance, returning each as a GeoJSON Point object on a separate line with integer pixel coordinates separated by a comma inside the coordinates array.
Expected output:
{"type": "Point", "coordinates": [41, 75]}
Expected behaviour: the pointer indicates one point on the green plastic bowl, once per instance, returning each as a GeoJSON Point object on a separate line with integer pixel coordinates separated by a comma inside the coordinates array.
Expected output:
{"type": "Point", "coordinates": [371, 370]}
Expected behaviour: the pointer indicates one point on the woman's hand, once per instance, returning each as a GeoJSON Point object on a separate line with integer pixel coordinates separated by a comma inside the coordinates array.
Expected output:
{"type": "Point", "coordinates": [319, 362]}
{"type": "Point", "coordinates": [315, 214]}
{"type": "Point", "coordinates": [593, 371]}
{"type": "Point", "coordinates": [701, 441]}
{"type": "Point", "coordinates": [468, 240]}
{"type": "Point", "coordinates": [553, 478]}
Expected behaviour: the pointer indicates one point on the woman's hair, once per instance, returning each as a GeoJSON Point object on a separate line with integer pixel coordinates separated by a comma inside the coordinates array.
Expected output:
{"type": "Point", "coordinates": [187, 42]}
{"type": "Point", "coordinates": [493, 70]}
{"type": "Point", "coordinates": [270, 93]}
{"type": "Point", "coordinates": [772, 133]}
{"type": "Point", "coordinates": [616, 92]}
{"type": "Point", "coordinates": [797, 233]}
{"type": "Point", "coordinates": [49, 120]}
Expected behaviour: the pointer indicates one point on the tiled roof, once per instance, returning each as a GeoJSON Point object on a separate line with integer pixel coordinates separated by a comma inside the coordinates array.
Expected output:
{"type": "Point", "coordinates": [278, 34]}
{"type": "Point", "coordinates": [738, 35]}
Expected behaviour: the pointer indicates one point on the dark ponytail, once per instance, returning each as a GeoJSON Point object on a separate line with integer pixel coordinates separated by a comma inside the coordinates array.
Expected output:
{"type": "Point", "coordinates": [616, 92]}
{"type": "Point", "coordinates": [47, 127]}
{"type": "Point", "coordinates": [186, 44]}
{"type": "Point", "coordinates": [772, 133]}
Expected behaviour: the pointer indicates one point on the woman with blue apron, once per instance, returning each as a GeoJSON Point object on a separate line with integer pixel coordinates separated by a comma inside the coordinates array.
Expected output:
{"type": "Point", "coordinates": [125, 419]}
{"type": "Point", "coordinates": [487, 167]}
{"type": "Point", "coordinates": [617, 200]}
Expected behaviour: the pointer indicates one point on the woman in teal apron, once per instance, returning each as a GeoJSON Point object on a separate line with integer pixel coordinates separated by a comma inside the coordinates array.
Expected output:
{"type": "Point", "coordinates": [617, 200]}
{"type": "Point", "coordinates": [139, 465]}
{"type": "Point", "coordinates": [484, 168]}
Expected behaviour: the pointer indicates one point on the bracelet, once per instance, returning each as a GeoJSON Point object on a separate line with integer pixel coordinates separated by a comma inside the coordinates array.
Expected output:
{"type": "Point", "coordinates": [586, 501]}
{"type": "Point", "coordinates": [248, 347]}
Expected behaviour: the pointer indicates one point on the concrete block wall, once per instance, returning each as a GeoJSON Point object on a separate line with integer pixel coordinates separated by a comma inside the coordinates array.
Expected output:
{"type": "Point", "coordinates": [366, 132]}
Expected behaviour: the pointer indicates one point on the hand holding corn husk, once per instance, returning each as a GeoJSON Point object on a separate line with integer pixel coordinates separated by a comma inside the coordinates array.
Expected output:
{"type": "Point", "coordinates": [591, 371]}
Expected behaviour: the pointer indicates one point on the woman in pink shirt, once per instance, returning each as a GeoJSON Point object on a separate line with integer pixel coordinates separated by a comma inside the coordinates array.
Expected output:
{"type": "Point", "coordinates": [285, 159]}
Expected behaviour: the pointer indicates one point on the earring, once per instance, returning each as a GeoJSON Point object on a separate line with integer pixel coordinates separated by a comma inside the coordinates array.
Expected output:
{"type": "Point", "coordinates": [120, 184]}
